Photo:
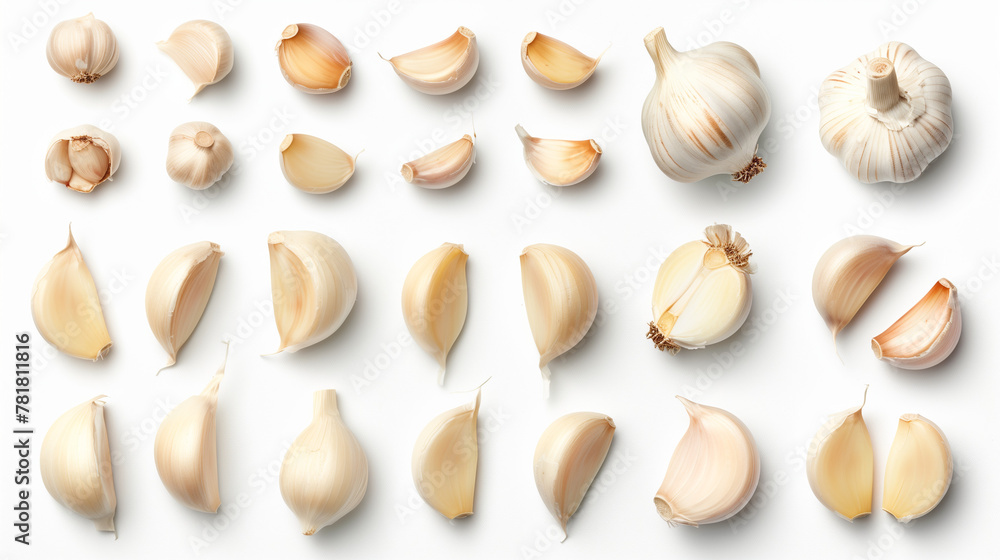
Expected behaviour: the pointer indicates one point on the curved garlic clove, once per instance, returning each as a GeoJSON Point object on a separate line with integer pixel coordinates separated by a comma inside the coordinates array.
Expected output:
{"type": "Point", "coordinates": [198, 155]}
{"type": "Point", "coordinates": [886, 115]}
{"type": "Point", "coordinates": [313, 286]}
{"type": "Point", "coordinates": [444, 166]}
{"type": "Point", "coordinates": [82, 49]}
{"type": "Point", "coordinates": [178, 292]}
{"type": "Point", "coordinates": [441, 68]}
{"type": "Point", "coordinates": [66, 307]}
{"type": "Point", "coordinates": [554, 64]}
{"type": "Point", "coordinates": [706, 111]}
{"type": "Point", "coordinates": [314, 165]}
{"type": "Point", "coordinates": [918, 470]}
{"type": "Point", "coordinates": [436, 300]}
{"type": "Point", "coordinates": [926, 334]}
{"type": "Point", "coordinates": [560, 296]}
{"type": "Point", "coordinates": [559, 163]}
{"type": "Point", "coordinates": [312, 59]}
{"type": "Point", "coordinates": [324, 474]}
{"type": "Point", "coordinates": [203, 51]}
{"type": "Point", "coordinates": [446, 458]}
{"type": "Point", "coordinates": [75, 463]}
{"type": "Point", "coordinates": [840, 464]}
{"type": "Point", "coordinates": [713, 472]}
{"type": "Point", "coordinates": [82, 157]}
{"type": "Point", "coordinates": [567, 459]}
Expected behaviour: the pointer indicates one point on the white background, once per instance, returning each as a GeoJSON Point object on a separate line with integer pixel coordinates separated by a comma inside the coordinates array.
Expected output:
{"type": "Point", "coordinates": [622, 221]}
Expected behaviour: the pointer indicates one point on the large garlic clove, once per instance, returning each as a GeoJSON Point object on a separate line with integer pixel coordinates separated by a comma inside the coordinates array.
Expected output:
{"type": "Point", "coordinates": [203, 51]}
{"type": "Point", "coordinates": [66, 307]}
{"type": "Point", "coordinates": [312, 59]}
{"type": "Point", "coordinates": [314, 165]}
{"type": "Point", "coordinates": [554, 64]}
{"type": "Point", "coordinates": [436, 300]}
{"type": "Point", "coordinates": [840, 464]}
{"type": "Point", "coordinates": [446, 458]}
{"type": "Point", "coordinates": [560, 296]}
{"type": "Point", "coordinates": [75, 463]}
{"type": "Point", "coordinates": [198, 155]}
{"type": "Point", "coordinates": [559, 163]}
{"type": "Point", "coordinates": [918, 470]}
{"type": "Point", "coordinates": [567, 459]}
{"type": "Point", "coordinates": [178, 292]}
{"type": "Point", "coordinates": [926, 334]}
{"type": "Point", "coordinates": [82, 49]}
{"type": "Point", "coordinates": [441, 68]}
{"type": "Point", "coordinates": [82, 157]}
{"type": "Point", "coordinates": [444, 166]}
{"type": "Point", "coordinates": [313, 286]}
{"type": "Point", "coordinates": [324, 474]}
{"type": "Point", "coordinates": [886, 115]}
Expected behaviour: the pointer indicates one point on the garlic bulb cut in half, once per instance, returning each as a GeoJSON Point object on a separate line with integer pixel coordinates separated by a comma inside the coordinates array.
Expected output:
{"type": "Point", "coordinates": [705, 112]}
{"type": "Point", "coordinates": [313, 286]}
{"type": "Point", "coordinates": [436, 300]}
{"type": "Point", "coordinates": [203, 51]}
{"type": "Point", "coordinates": [75, 463]}
{"type": "Point", "coordinates": [703, 291]}
{"type": "Point", "coordinates": [444, 166]}
{"type": "Point", "coordinates": [441, 68]}
{"type": "Point", "coordinates": [840, 464]}
{"type": "Point", "coordinates": [198, 155]}
{"type": "Point", "coordinates": [325, 472]}
{"type": "Point", "coordinates": [567, 459]}
{"type": "Point", "coordinates": [713, 472]}
{"type": "Point", "coordinates": [185, 450]}
{"type": "Point", "coordinates": [66, 307]}
{"type": "Point", "coordinates": [82, 49]}
{"type": "Point", "coordinates": [926, 334]}
{"type": "Point", "coordinates": [559, 163]}
{"type": "Point", "coordinates": [312, 59]}
{"type": "Point", "coordinates": [178, 292]}
{"type": "Point", "coordinates": [554, 64]}
{"type": "Point", "coordinates": [82, 157]}
{"type": "Point", "coordinates": [446, 458]}
{"type": "Point", "coordinates": [919, 469]}
{"type": "Point", "coordinates": [560, 295]}
{"type": "Point", "coordinates": [886, 115]}
{"type": "Point", "coordinates": [314, 165]}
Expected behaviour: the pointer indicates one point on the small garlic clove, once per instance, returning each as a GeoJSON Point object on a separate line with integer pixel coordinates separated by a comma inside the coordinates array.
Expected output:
{"type": "Point", "coordinates": [314, 165]}
{"type": "Point", "coordinates": [444, 166]}
{"type": "Point", "coordinates": [203, 51]}
{"type": "Point", "coordinates": [441, 68]}
{"type": "Point", "coordinates": [446, 458]}
{"type": "Point", "coordinates": [926, 334]}
{"type": "Point", "coordinates": [312, 59]}
{"type": "Point", "coordinates": [82, 157]}
{"type": "Point", "coordinates": [918, 470]}
{"type": "Point", "coordinates": [554, 64]}
{"type": "Point", "coordinates": [82, 49]}
{"type": "Point", "coordinates": [840, 464]}
{"type": "Point", "coordinates": [198, 155]}
{"type": "Point", "coordinates": [559, 163]}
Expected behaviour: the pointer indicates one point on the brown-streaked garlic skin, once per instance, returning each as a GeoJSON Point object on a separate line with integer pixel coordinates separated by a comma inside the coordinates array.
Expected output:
{"type": "Point", "coordinates": [442, 68]}
{"type": "Point", "coordinates": [555, 64]}
{"type": "Point", "coordinates": [198, 155]}
{"type": "Point", "coordinates": [82, 49]}
{"type": "Point", "coordinates": [927, 334]}
{"type": "Point", "coordinates": [203, 50]}
{"type": "Point", "coordinates": [82, 157]}
{"type": "Point", "coordinates": [312, 59]}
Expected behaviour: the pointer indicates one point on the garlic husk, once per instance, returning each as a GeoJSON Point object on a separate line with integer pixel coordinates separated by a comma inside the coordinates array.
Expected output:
{"type": "Point", "coordinates": [436, 300]}
{"type": "Point", "coordinates": [444, 166]}
{"type": "Point", "coordinates": [559, 163]}
{"type": "Point", "coordinates": [66, 307]}
{"type": "Point", "coordinates": [314, 165]}
{"type": "Point", "coordinates": [203, 51]}
{"type": "Point", "coordinates": [560, 296]}
{"type": "Point", "coordinates": [886, 115]}
{"type": "Point", "coordinates": [82, 157]}
{"type": "Point", "coordinates": [706, 111]}
{"type": "Point", "coordinates": [324, 474]}
{"type": "Point", "coordinates": [441, 68]}
{"type": "Point", "coordinates": [75, 463]}
{"type": "Point", "coordinates": [840, 464]}
{"type": "Point", "coordinates": [198, 155]}
{"type": "Point", "coordinates": [926, 334]}
{"type": "Point", "coordinates": [568, 456]}
{"type": "Point", "coordinates": [313, 286]}
{"type": "Point", "coordinates": [178, 292]}
{"type": "Point", "coordinates": [554, 64]}
{"type": "Point", "coordinates": [82, 49]}
{"type": "Point", "coordinates": [446, 458]}
{"type": "Point", "coordinates": [312, 59]}
{"type": "Point", "coordinates": [918, 470]}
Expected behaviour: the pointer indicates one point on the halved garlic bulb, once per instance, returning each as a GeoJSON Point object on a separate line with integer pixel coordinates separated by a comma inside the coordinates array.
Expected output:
{"type": "Point", "coordinates": [82, 157]}
{"type": "Point", "coordinates": [441, 68]}
{"type": "Point", "coordinates": [918, 470]}
{"type": "Point", "coordinates": [444, 166]}
{"type": "Point", "coordinates": [840, 464]}
{"type": "Point", "coordinates": [559, 163]}
{"type": "Point", "coordinates": [554, 64]}
{"type": "Point", "coordinates": [198, 155]}
{"type": "Point", "coordinates": [203, 51]}
{"type": "Point", "coordinates": [446, 459]}
{"type": "Point", "coordinates": [926, 334]}
{"type": "Point", "coordinates": [82, 49]}
{"type": "Point", "coordinates": [314, 165]}
{"type": "Point", "coordinates": [312, 59]}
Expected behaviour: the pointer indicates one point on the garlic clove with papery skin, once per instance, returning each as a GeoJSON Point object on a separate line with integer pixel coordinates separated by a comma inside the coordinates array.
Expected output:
{"type": "Point", "coordinates": [554, 64]}
{"type": "Point", "coordinates": [314, 165]}
{"type": "Point", "coordinates": [198, 155]}
{"type": "Point", "coordinates": [82, 157]}
{"type": "Point", "coordinates": [446, 459]}
{"type": "Point", "coordinates": [82, 49]}
{"type": "Point", "coordinates": [840, 464]}
{"type": "Point", "coordinates": [926, 334]}
{"type": "Point", "coordinates": [918, 470]}
{"type": "Point", "coordinates": [312, 59]}
{"type": "Point", "coordinates": [441, 68]}
{"type": "Point", "coordinates": [203, 50]}
{"type": "Point", "coordinates": [444, 166]}
{"type": "Point", "coordinates": [560, 163]}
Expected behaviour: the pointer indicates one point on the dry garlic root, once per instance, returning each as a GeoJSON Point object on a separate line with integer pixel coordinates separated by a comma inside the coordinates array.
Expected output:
{"type": "Point", "coordinates": [840, 464]}
{"type": "Point", "coordinates": [203, 51]}
{"type": "Point", "coordinates": [926, 334]}
{"type": "Point", "coordinates": [441, 68]}
{"type": "Point", "coordinates": [82, 157]}
{"type": "Point", "coordinates": [198, 155]}
{"type": "Point", "coordinates": [554, 64]}
{"type": "Point", "coordinates": [446, 458]}
{"type": "Point", "coordinates": [559, 163]}
{"type": "Point", "coordinates": [82, 49]}
{"type": "Point", "coordinates": [312, 59]}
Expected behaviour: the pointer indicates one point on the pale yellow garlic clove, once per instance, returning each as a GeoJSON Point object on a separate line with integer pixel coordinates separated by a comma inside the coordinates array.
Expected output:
{"type": "Point", "coordinates": [446, 458]}
{"type": "Point", "coordinates": [444, 166]}
{"type": "Point", "coordinates": [918, 470]}
{"type": "Point", "coordinates": [840, 464]}
{"type": "Point", "coordinates": [312, 59]}
{"type": "Point", "coordinates": [314, 165]}
{"type": "Point", "coordinates": [82, 49]}
{"type": "Point", "coordinates": [441, 68]}
{"type": "Point", "coordinates": [82, 157]}
{"type": "Point", "coordinates": [554, 64]}
{"type": "Point", "coordinates": [559, 163]}
{"type": "Point", "coordinates": [198, 155]}
{"type": "Point", "coordinates": [926, 334]}
{"type": "Point", "coordinates": [203, 51]}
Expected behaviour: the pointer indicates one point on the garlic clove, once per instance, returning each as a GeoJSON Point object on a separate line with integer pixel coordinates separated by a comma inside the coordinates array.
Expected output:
{"type": "Point", "coordinates": [446, 458]}
{"type": "Point", "coordinates": [918, 470]}
{"type": "Point", "coordinates": [441, 68]}
{"type": "Point", "coordinates": [82, 157]}
{"type": "Point", "coordinates": [554, 64]}
{"type": "Point", "coordinates": [203, 51]}
{"type": "Point", "coordinates": [82, 49]}
{"type": "Point", "coordinates": [312, 59]}
{"type": "Point", "coordinates": [568, 456]}
{"type": "Point", "coordinates": [926, 334]}
{"type": "Point", "coordinates": [559, 163]}
{"type": "Point", "coordinates": [198, 155]}
{"type": "Point", "coordinates": [314, 165]}
{"type": "Point", "coordinates": [444, 166]}
{"type": "Point", "coordinates": [840, 464]}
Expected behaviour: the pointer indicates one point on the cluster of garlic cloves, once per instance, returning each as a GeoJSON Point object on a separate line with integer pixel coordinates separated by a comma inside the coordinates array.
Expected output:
{"type": "Point", "coordinates": [926, 334]}
{"type": "Point", "coordinates": [446, 459]}
{"type": "Point", "coordinates": [444, 166]}
{"type": "Point", "coordinates": [312, 59]}
{"type": "Point", "coordinates": [82, 157]}
{"type": "Point", "coordinates": [441, 68]}
{"type": "Point", "coordinates": [314, 165]}
{"type": "Point", "coordinates": [82, 49]}
{"type": "Point", "coordinates": [203, 50]}
{"type": "Point", "coordinates": [554, 64]}
{"type": "Point", "coordinates": [559, 163]}
{"type": "Point", "coordinates": [198, 155]}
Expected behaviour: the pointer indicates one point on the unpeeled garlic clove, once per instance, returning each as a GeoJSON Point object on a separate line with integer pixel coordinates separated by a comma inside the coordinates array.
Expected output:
{"type": "Point", "coordinates": [554, 64]}
{"type": "Point", "coordinates": [82, 49]}
{"type": "Point", "coordinates": [314, 165]}
{"type": "Point", "coordinates": [444, 166]}
{"type": "Point", "coordinates": [918, 470]}
{"type": "Point", "coordinates": [441, 68]}
{"type": "Point", "coordinates": [312, 59]}
{"type": "Point", "coordinates": [926, 334]}
{"type": "Point", "coordinates": [713, 472]}
{"type": "Point", "coordinates": [82, 157]}
{"type": "Point", "coordinates": [198, 155]}
{"type": "Point", "coordinates": [446, 458]}
{"type": "Point", "coordinates": [840, 464]}
{"type": "Point", "coordinates": [203, 51]}
{"type": "Point", "coordinates": [559, 163]}
{"type": "Point", "coordinates": [567, 459]}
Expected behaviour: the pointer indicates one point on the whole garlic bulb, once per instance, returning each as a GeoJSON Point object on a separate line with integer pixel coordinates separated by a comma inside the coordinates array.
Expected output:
{"type": "Point", "coordinates": [706, 111]}
{"type": "Point", "coordinates": [198, 155]}
{"type": "Point", "coordinates": [82, 157]}
{"type": "Point", "coordinates": [82, 49]}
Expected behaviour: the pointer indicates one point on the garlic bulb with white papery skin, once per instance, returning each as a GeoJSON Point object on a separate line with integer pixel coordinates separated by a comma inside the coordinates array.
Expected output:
{"type": "Point", "coordinates": [198, 155]}
{"type": "Point", "coordinates": [82, 49]}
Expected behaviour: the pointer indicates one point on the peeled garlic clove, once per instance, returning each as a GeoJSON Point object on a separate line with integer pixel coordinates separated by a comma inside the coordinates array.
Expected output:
{"type": "Point", "coordinates": [435, 301]}
{"type": "Point", "coordinates": [840, 464]}
{"type": "Point", "coordinates": [554, 64]}
{"type": "Point", "coordinates": [706, 111]}
{"type": "Point", "coordinates": [559, 163]}
{"type": "Point", "coordinates": [75, 463]}
{"type": "Point", "coordinates": [886, 115]}
{"type": "Point", "coordinates": [82, 157]}
{"type": "Point", "coordinates": [445, 459]}
{"type": "Point", "coordinates": [178, 292]}
{"type": "Point", "coordinates": [314, 165]}
{"type": "Point", "coordinates": [444, 67]}
{"type": "Point", "coordinates": [926, 334]}
{"type": "Point", "coordinates": [325, 472]}
{"type": "Point", "coordinates": [919, 469]}
{"type": "Point", "coordinates": [82, 49]}
{"type": "Point", "coordinates": [66, 307]}
{"type": "Point", "coordinates": [567, 459]}
{"type": "Point", "coordinates": [203, 50]}
{"type": "Point", "coordinates": [198, 155]}
{"type": "Point", "coordinates": [444, 166]}
{"type": "Point", "coordinates": [560, 295]}
{"type": "Point", "coordinates": [313, 286]}
{"type": "Point", "coordinates": [312, 59]}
